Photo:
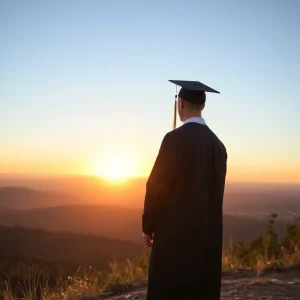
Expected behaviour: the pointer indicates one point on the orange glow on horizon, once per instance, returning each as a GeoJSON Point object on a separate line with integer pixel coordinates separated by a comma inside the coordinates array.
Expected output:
{"type": "Point", "coordinates": [115, 166]}
{"type": "Point", "coordinates": [280, 174]}
{"type": "Point", "coordinates": [120, 165]}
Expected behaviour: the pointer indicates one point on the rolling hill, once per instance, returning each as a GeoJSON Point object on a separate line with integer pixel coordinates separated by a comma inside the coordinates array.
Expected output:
{"type": "Point", "coordinates": [120, 222]}
{"type": "Point", "coordinates": [5, 210]}
{"type": "Point", "coordinates": [21, 198]}
{"type": "Point", "coordinates": [111, 221]}
{"type": "Point", "coordinates": [64, 246]}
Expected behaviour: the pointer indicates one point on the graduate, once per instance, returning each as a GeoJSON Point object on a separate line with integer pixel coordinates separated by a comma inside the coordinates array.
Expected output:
{"type": "Point", "coordinates": [183, 208]}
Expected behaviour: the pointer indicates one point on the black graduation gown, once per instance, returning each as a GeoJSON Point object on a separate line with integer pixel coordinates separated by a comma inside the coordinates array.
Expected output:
{"type": "Point", "coordinates": [183, 207]}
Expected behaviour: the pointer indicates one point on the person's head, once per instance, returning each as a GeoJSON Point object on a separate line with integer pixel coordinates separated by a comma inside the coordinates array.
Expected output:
{"type": "Point", "coordinates": [187, 109]}
{"type": "Point", "coordinates": [191, 99]}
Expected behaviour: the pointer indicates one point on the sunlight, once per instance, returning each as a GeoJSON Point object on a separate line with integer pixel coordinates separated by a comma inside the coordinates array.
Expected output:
{"type": "Point", "coordinates": [115, 166]}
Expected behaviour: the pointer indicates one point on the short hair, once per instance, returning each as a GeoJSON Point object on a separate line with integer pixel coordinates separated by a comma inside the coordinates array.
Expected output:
{"type": "Point", "coordinates": [193, 106]}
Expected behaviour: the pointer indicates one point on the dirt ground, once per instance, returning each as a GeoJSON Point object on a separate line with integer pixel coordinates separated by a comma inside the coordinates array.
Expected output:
{"type": "Point", "coordinates": [240, 285]}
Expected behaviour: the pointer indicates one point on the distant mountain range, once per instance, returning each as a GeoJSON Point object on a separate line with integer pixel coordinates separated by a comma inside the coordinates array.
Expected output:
{"type": "Point", "coordinates": [245, 199]}
{"type": "Point", "coordinates": [22, 198]}
{"type": "Point", "coordinates": [92, 205]}
{"type": "Point", "coordinates": [72, 190]}
{"type": "Point", "coordinates": [118, 222]}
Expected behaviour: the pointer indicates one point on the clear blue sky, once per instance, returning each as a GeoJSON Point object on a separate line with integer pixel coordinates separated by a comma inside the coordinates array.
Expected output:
{"type": "Point", "coordinates": [80, 76]}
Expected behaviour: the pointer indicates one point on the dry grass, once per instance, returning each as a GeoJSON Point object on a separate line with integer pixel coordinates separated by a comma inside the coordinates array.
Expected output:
{"type": "Point", "coordinates": [119, 277]}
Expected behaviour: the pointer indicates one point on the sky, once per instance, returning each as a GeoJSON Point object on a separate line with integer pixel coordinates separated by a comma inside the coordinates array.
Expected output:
{"type": "Point", "coordinates": [85, 83]}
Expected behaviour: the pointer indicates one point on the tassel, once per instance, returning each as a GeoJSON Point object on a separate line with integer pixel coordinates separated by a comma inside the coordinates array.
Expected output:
{"type": "Point", "coordinates": [175, 113]}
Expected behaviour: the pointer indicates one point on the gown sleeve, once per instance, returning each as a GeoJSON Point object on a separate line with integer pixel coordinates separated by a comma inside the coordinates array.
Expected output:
{"type": "Point", "coordinates": [157, 186]}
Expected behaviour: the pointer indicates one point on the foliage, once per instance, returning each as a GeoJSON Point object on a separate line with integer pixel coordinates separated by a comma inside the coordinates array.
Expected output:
{"type": "Point", "coordinates": [266, 252]}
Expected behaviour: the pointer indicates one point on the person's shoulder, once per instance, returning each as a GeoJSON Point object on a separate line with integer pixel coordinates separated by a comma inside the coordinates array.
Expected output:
{"type": "Point", "coordinates": [217, 140]}
{"type": "Point", "coordinates": [205, 134]}
{"type": "Point", "coordinates": [185, 131]}
{"type": "Point", "coordinates": [169, 136]}
{"type": "Point", "coordinates": [173, 134]}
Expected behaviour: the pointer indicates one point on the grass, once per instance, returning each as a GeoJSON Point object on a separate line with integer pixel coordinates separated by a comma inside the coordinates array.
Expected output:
{"type": "Point", "coordinates": [119, 277]}
{"type": "Point", "coordinates": [260, 254]}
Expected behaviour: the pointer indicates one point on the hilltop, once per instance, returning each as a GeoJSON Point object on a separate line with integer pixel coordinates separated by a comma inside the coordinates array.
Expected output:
{"type": "Point", "coordinates": [244, 285]}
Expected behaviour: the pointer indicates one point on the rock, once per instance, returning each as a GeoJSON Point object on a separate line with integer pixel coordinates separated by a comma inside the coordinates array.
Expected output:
{"type": "Point", "coordinates": [96, 297]}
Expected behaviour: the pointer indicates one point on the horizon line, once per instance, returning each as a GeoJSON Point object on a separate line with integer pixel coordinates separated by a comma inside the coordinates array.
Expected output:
{"type": "Point", "coordinates": [66, 175]}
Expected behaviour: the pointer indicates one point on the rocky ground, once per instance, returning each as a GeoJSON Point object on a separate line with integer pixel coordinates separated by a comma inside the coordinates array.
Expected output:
{"type": "Point", "coordinates": [243, 285]}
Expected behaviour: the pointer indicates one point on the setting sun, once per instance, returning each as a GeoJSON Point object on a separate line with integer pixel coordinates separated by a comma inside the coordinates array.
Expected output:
{"type": "Point", "coordinates": [115, 166]}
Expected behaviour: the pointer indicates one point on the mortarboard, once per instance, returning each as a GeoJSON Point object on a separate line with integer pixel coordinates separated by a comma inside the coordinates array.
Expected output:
{"type": "Point", "coordinates": [191, 91]}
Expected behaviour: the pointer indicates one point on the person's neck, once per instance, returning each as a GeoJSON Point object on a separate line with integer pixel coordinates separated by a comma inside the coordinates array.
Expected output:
{"type": "Point", "coordinates": [188, 116]}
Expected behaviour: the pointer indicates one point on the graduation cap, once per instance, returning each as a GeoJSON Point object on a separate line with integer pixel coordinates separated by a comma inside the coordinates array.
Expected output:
{"type": "Point", "coordinates": [191, 91]}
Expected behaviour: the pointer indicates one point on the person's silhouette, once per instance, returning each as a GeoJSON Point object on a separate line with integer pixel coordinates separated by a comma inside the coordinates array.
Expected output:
{"type": "Point", "coordinates": [183, 209]}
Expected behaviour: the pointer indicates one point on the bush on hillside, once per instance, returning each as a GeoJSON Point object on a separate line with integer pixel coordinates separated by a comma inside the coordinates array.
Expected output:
{"type": "Point", "coordinates": [267, 251]}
